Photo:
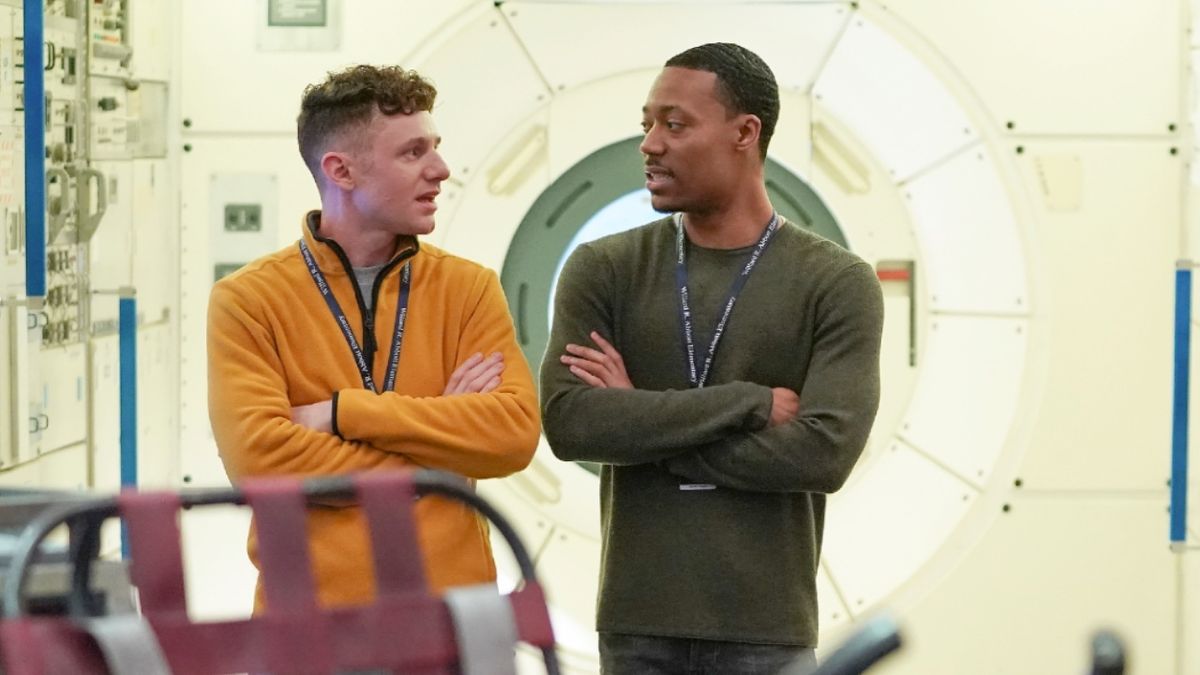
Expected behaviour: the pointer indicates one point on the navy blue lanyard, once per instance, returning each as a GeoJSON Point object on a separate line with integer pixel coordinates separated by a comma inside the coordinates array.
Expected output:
{"type": "Point", "coordinates": [360, 359]}
{"type": "Point", "coordinates": [685, 308]}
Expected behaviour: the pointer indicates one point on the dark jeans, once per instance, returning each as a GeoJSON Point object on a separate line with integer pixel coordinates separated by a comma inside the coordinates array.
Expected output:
{"type": "Point", "coordinates": [637, 654]}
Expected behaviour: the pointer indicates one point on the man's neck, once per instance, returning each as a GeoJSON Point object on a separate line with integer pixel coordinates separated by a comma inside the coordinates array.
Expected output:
{"type": "Point", "coordinates": [363, 247]}
{"type": "Point", "coordinates": [737, 225]}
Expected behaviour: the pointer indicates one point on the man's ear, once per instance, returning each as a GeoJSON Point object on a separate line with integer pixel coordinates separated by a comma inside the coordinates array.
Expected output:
{"type": "Point", "coordinates": [748, 130]}
{"type": "Point", "coordinates": [337, 169]}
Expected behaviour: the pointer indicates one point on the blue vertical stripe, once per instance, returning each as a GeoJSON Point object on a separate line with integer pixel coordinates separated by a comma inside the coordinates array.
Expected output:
{"type": "Point", "coordinates": [1179, 425]}
{"type": "Point", "coordinates": [128, 349]}
{"type": "Point", "coordinates": [35, 151]}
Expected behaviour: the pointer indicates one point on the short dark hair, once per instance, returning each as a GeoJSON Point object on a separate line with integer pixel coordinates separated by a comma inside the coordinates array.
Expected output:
{"type": "Point", "coordinates": [745, 83]}
{"type": "Point", "coordinates": [349, 98]}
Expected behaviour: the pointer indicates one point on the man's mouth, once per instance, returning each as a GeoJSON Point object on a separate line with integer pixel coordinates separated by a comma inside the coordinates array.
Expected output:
{"type": "Point", "coordinates": [657, 177]}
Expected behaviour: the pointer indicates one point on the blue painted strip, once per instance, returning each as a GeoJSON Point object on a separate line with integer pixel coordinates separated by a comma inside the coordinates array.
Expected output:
{"type": "Point", "coordinates": [129, 451]}
{"type": "Point", "coordinates": [35, 151]}
{"type": "Point", "coordinates": [1179, 426]}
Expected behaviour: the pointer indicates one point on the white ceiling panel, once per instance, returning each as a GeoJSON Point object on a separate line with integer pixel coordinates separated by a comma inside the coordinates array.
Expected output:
{"type": "Point", "coordinates": [229, 85]}
{"type": "Point", "coordinates": [1100, 67]}
{"type": "Point", "coordinates": [969, 238]}
{"type": "Point", "coordinates": [573, 43]}
{"type": "Point", "coordinates": [593, 116]}
{"type": "Point", "coordinates": [568, 566]}
{"type": "Point", "coordinates": [486, 87]}
{"type": "Point", "coordinates": [477, 222]}
{"type": "Point", "coordinates": [891, 101]}
{"type": "Point", "coordinates": [886, 526]}
{"type": "Point", "coordinates": [833, 612]}
{"type": "Point", "coordinates": [971, 377]}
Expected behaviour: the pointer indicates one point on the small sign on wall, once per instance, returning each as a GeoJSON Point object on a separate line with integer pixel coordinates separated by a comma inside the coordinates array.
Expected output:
{"type": "Point", "coordinates": [299, 25]}
{"type": "Point", "coordinates": [297, 13]}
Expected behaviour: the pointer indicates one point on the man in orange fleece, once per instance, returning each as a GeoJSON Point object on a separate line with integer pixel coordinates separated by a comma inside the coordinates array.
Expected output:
{"type": "Point", "coordinates": [360, 348]}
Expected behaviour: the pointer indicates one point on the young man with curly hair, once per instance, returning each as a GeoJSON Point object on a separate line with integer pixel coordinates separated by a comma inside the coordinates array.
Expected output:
{"type": "Point", "coordinates": [715, 463]}
{"type": "Point", "coordinates": [360, 347]}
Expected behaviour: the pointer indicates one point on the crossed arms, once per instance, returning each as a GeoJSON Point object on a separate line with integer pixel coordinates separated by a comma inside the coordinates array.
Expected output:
{"type": "Point", "coordinates": [738, 435]}
{"type": "Point", "coordinates": [484, 423]}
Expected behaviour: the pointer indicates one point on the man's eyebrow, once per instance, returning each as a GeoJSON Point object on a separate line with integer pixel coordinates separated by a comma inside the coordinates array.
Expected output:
{"type": "Point", "coordinates": [423, 140]}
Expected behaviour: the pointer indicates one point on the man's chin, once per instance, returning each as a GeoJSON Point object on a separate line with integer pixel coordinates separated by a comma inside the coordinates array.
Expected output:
{"type": "Point", "coordinates": [663, 204]}
{"type": "Point", "coordinates": [420, 228]}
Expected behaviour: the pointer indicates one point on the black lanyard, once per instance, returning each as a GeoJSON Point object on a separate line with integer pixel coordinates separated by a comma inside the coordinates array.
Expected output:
{"type": "Point", "coordinates": [685, 309]}
{"type": "Point", "coordinates": [360, 359]}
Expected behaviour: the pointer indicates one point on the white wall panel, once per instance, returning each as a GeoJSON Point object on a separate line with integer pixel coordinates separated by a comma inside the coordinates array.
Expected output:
{"type": "Point", "coordinates": [155, 239]}
{"type": "Point", "coordinates": [1049, 572]}
{"type": "Point", "coordinates": [569, 569]}
{"type": "Point", "coordinates": [870, 72]}
{"type": "Point", "coordinates": [970, 240]}
{"type": "Point", "coordinates": [881, 530]}
{"type": "Point", "coordinates": [965, 402]}
{"type": "Point", "coordinates": [1189, 599]}
{"type": "Point", "coordinates": [601, 112]}
{"type": "Point", "coordinates": [481, 100]}
{"type": "Point", "coordinates": [22, 342]}
{"type": "Point", "coordinates": [218, 577]}
{"type": "Point", "coordinates": [150, 28]}
{"type": "Point", "coordinates": [8, 69]}
{"type": "Point", "coordinates": [483, 222]}
{"type": "Point", "coordinates": [64, 469]}
{"type": "Point", "coordinates": [12, 167]}
{"type": "Point", "coordinates": [834, 615]}
{"type": "Point", "coordinates": [560, 492]}
{"type": "Point", "coordinates": [230, 86]}
{"type": "Point", "coordinates": [7, 379]}
{"type": "Point", "coordinates": [12, 205]}
{"type": "Point", "coordinates": [1113, 71]}
{"type": "Point", "coordinates": [157, 403]}
{"type": "Point", "coordinates": [531, 527]}
{"type": "Point", "coordinates": [61, 390]}
{"type": "Point", "coordinates": [603, 42]}
{"type": "Point", "coordinates": [1103, 419]}
{"type": "Point", "coordinates": [106, 413]}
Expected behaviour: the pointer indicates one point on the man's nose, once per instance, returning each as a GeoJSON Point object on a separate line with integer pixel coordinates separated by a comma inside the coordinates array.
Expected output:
{"type": "Point", "coordinates": [651, 145]}
{"type": "Point", "coordinates": [439, 170]}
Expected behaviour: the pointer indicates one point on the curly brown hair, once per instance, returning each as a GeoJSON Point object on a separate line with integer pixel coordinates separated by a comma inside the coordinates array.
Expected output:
{"type": "Point", "coordinates": [347, 100]}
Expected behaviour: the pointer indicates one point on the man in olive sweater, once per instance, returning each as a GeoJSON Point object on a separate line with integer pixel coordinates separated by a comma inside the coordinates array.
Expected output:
{"type": "Point", "coordinates": [719, 431]}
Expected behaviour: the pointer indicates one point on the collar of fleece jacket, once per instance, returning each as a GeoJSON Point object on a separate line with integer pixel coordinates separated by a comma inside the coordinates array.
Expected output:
{"type": "Point", "coordinates": [332, 259]}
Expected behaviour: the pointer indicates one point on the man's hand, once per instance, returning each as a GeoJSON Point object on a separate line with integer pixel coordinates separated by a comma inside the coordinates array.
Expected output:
{"type": "Point", "coordinates": [316, 416]}
{"type": "Point", "coordinates": [599, 368]}
{"type": "Point", "coordinates": [785, 405]}
{"type": "Point", "coordinates": [476, 375]}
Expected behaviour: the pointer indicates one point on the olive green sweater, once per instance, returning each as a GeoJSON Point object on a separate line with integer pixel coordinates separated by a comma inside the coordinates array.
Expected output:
{"type": "Point", "coordinates": [737, 562]}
